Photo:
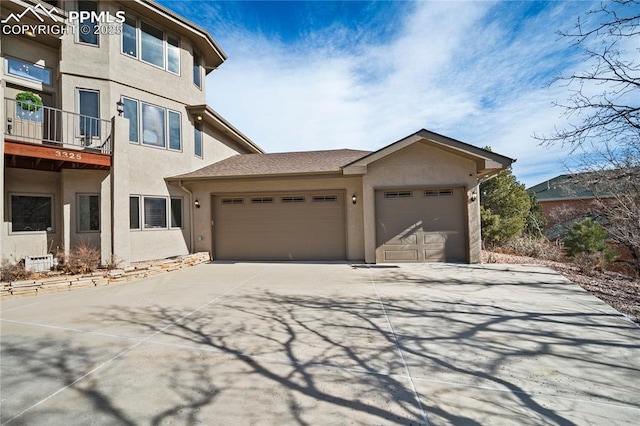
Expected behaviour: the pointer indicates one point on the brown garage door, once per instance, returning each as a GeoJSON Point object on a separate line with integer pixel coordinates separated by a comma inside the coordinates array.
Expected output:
{"type": "Point", "coordinates": [286, 226]}
{"type": "Point", "coordinates": [420, 225]}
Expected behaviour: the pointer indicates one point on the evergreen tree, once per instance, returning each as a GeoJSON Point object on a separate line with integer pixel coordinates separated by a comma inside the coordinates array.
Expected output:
{"type": "Point", "coordinates": [504, 208]}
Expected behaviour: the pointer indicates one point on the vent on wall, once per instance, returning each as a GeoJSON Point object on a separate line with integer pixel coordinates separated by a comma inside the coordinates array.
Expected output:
{"type": "Point", "coordinates": [233, 201]}
{"type": "Point", "coordinates": [325, 199]}
{"type": "Point", "coordinates": [262, 200]}
{"type": "Point", "coordinates": [292, 199]}
{"type": "Point", "coordinates": [398, 194]}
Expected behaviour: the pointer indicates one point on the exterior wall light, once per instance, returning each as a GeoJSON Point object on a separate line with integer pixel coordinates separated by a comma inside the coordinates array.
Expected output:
{"type": "Point", "coordinates": [199, 118]}
{"type": "Point", "coordinates": [196, 203]}
{"type": "Point", "coordinates": [120, 107]}
{"type": "Point", "coordinates": [474, 196]}
{"type": "Point", "coordinates": [354, 199]}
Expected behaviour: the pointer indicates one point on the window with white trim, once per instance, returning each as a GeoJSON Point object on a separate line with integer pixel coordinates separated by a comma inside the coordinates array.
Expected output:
{"type": "Point", "coordinates": [153, 125]}
{"type": "Point", "coordinates": [197, 140]}
{"type": "Point", "coordinates": [87, 27]}
{"type": "Point", "coordinates": [134, 212]}
{"type": "Point", "coordinates": [31, 212]}
{"type": "Point", "coordinates": [131, 112]}
{"type": "Point", "coordinates": [174, 130]}
{"type": "Point", "coordinates": [29, 71]}
{"type": "Point", "coordinates": [197, 70]}
{"type": "Point", "coordinates": [89, 109]}
{"type": "Point", "coordinates": [160, 127]}
{"type": "Point", "coordinates": [88, 212]}
{"type": "Point", "coordinates": [155, 212]}
{"type": "Point", "coordinates": [130, 36]}
{"type": "Point", "coordinates": [176, 212]}
{"type": "Point", "coordinates": [150, 44]}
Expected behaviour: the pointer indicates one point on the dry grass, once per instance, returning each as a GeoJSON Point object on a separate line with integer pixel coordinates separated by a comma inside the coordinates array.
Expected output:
{"type": "Point", "coordinates": [620, 291]}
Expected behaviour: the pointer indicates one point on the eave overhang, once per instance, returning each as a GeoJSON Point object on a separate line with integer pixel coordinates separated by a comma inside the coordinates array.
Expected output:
{"type": "Point", "coordinates": [212, 53]}
{"type": "Point", "coordinates": [207, 115]}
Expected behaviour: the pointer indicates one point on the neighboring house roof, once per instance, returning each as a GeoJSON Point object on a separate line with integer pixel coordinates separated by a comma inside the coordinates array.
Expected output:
{"type": "Point", "coordinates": [206, 114]}
{"type": "Point", "coordinates": [566, 187]}
{"type": "Point", "coordinates": [285, 163]}
{"type": "Point", "coordinates": [487, 162]}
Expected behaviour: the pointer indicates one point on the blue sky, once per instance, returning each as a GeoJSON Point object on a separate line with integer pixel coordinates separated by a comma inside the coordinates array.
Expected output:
{"type": "Point", "coordinates": [328, 75]}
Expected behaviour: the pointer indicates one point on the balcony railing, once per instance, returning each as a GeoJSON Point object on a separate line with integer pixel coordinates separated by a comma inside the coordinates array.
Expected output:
{"type": "Point", "coordinates": [45, 125]}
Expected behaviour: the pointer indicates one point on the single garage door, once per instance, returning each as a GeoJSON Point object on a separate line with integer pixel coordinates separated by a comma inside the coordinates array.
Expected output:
{"type": "Point", "coordinates": [421, 225]}
{"type": "Point", "coordinates": [287, 226]}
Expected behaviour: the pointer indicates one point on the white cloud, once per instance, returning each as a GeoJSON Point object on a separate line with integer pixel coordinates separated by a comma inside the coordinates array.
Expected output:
{"type": "Point", "coordinates": [455, 68]}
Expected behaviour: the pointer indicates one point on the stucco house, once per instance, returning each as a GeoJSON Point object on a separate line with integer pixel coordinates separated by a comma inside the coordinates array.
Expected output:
{"type": "Point", "coordinates": [124, 154]}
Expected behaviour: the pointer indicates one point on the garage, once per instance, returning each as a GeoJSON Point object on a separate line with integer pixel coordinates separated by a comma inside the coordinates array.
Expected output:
{"type": "Point", "coordinates": [279, 226]}
{"type": "Point", "coordinates": [421, 225]}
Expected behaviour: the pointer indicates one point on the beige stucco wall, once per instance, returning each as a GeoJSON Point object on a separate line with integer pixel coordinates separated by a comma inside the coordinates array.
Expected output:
{"type": "Point", "coordinates": [37, 243]}
{"type": "Point", "coordinates": [75, 182]}
{"type": "Point", "coordinates": [203, 190]}
{"type": "Point", "coordinates": [420, 165]}
{"type": "Point", "coordinates": [106, 62]}
{"type": "Point", "coordinates": [37, 53]}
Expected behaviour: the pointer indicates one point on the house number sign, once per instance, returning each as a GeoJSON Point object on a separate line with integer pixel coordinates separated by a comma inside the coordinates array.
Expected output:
{"type": "Point", "coordinates": [68, 154]}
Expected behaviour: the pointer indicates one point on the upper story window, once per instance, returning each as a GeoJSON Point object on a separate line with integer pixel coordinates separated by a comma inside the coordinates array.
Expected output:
{"type": "Point", "coordinates": [151, 45]}
{"type": "Point", "coordinates": [153, 125]}
{"type": "Point", "coordinates": [197, 140]}
{"type": "Point", "coordinates": [129, 37]}
{"type": "Point", "coordinates": [30, 71]}
{"type": "Point", "coordinates": [87, 27]}
{"type": "Point", "coordinates": [89, 108]}
{"type": "Point", "coordinates": [197, 70]}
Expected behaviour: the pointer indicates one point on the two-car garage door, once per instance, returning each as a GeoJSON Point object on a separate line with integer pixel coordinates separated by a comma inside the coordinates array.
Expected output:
{"type": "Point", "coordinates": [412, 225]}
{"type": "Point", "coordinates": [421, 225]}
{"type": "Point", "coordinates": [279, 226]}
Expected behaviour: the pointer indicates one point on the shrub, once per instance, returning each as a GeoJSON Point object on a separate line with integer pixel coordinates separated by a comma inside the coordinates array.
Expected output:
{"type": "Point", "coordinates": [13, 271]}
{"type": "Point", "coordinates": [83, 259]}
{"type": "Point", "coordinates": [587, 242]}
{"type": "Point", "coordinates": [539, 247]}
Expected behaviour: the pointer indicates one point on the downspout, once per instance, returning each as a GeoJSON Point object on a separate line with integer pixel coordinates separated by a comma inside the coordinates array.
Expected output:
{"type": "Point", "coordinates": [191, 216]}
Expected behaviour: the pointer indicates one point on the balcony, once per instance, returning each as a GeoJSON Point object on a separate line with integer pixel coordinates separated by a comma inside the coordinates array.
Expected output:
{"type": "Point", "coordinates": [48, 138]}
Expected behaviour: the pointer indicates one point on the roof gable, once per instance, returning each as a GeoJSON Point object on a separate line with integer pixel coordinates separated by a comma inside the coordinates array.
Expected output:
{"type": "Point", "coordinates": [487, 162]}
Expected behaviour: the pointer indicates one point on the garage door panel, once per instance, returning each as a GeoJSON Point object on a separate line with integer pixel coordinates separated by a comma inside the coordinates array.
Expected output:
{"type": "Point", "coordinates": [401, 255]}
{"type": "Point", "coordinates": [292, 227]}
{"type": "Point", "coordinates": [420, 225]}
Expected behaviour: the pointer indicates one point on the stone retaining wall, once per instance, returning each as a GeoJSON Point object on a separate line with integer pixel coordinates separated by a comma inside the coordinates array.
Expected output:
{"type": "Point", "coordinates": [61, 283]}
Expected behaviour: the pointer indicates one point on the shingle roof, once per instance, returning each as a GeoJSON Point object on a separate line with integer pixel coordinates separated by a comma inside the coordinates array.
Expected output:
{"type": "Point", "coordinates": [568, 187]}
{"type": "Point", "coordinates": [285, 163]}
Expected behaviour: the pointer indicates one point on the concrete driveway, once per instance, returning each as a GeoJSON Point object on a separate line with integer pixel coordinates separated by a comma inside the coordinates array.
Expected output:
{"type": "Point", "coordinates": [269, 343]}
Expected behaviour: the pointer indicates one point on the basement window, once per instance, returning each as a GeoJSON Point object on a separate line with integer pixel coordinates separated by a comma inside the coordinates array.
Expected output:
{"type": "Point", "coordinates": [398, 194]}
